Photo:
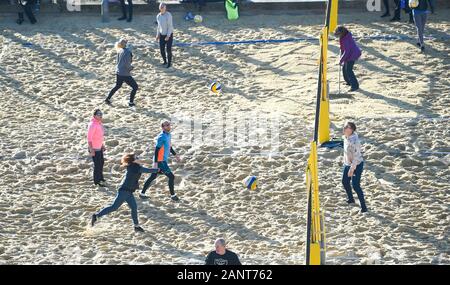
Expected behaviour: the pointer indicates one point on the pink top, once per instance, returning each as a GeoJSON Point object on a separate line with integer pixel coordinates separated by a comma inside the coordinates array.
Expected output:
{"type": "Point", "coordinates": [95, 134]}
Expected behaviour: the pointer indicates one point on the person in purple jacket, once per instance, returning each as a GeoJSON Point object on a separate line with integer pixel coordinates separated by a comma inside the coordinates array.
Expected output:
{"type": "Point", "coordinates": [350, 52]}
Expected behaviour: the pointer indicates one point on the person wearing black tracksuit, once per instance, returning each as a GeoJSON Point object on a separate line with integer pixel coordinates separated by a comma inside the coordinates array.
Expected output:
{"type": "Point", "coordinates": [398, 8]}
{"type": "Point", "coordinates": [26, 6]}
{"type": "Point", "coordinates": [124, 10]}
{"type": "Point", "coordinates": [386, 7]}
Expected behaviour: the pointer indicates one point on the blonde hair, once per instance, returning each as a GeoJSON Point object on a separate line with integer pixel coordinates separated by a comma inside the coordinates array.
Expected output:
{"type": "Point", "coordinates": [122, 43]}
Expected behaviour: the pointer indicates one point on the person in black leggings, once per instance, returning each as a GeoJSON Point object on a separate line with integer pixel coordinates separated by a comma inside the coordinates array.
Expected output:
{"type": "Point", "coordinates": [386, 7]}
{"type": "Point", "coordinates": [163, 149]}
{"type": "Point", "coordinates": [26, 6]}
{"type": "Point", "coordinates": [165, 34]}
{"type": "Point", "coordinates": [124, 10]}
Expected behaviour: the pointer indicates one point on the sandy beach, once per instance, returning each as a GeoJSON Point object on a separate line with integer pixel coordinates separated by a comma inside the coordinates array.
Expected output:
{"type": "Point", "coordinates": [54, 74]}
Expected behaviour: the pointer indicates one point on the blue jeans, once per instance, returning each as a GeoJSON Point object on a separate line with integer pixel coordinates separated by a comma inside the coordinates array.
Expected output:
{"type": "Point", "coordinates": [122, 196]}
{"type": "Point", "coordinates": [349, 75]}
{"type": "Point", "coordinates": [356, 178]}
{"type": "Point", "coordinates": [420, 19]}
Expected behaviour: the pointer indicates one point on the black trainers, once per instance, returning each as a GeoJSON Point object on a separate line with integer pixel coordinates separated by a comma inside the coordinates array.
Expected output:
{"type": "Point", "coordinates": [353, 89]}
{"type": "Point", "coordinates": [131, 104]}
{"type": "Point", "coordinates": [422, 49]}
{"type": "Point", "coordinates": [122, 18]}
{"type": "Point", "coordinates": [364, 210]}
{"type": "Point", "coordinates": [129, 20]}
{"type": "Point", "coordinates": [100, 184]}
{"type": "Point", "coordinates": [175, 198]}
{"type": "Point", "coordinates": [19, 21]}
{"type": "Point", "coordinates": [138, 229]}
{"type": "Point", "coordinates": [394, 20]}
{"type": "Point", "coordinates": [350, 201]}
{"type": "Point", "coordinates": [143, 196]}
{"type": "Point", "coordinates": [93, 219]}
{"type": "Point", "coordinates": [385, 15]}
{"type": "Point", "coordinates": [107, 102]}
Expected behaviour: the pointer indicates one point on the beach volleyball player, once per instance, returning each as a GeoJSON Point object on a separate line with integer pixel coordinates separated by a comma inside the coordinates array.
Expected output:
{"type": "Point", "coordinates": [163, 149]}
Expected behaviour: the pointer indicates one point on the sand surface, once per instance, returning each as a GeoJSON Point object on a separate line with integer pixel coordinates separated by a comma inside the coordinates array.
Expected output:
{"type": "Point", "coordinates": [50, 88]}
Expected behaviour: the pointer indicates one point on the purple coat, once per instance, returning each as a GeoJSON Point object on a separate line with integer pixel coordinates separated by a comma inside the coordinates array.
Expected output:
{"type": "Point", "coordinates": [349, 50]}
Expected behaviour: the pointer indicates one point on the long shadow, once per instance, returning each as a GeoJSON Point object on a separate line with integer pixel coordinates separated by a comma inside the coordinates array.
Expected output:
{"type": "Point", "coordinates": [234, 227]}
{"type": "Point", "coordinates": [418, 236]}
{"type": "Point", "coordinates": [50, 56]}
{"type": "Point", "coordinates": [240, 55]}
{"type": "Point", "coordinates": [186, 75]}
{"type": "Point", "coordinates": [391, 60]}
{"type": "Point", "coordinates": [191, 212]}
{"type": "Point", "coordinates": [399, 103]}
{"type": "Point", "coordinates": [10, 82]}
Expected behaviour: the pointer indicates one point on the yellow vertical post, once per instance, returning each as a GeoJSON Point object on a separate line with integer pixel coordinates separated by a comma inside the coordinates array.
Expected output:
{"type": "Point", "coordinates": [324, 112]}
{"type": "Point", "coordinates": [333, 16]}
{"type": "Point", "coordinates": [314, 242]}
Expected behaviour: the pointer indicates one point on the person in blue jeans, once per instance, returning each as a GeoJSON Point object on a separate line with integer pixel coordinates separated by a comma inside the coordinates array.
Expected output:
{"type": "Point", "coordinates": [353, 165]}
{"type": "Point", "coordinates": [129, 184]}
{"type": "Point", "coordinates": [420, 18]}
{"type": "Point", "coordinates": [163, 149]}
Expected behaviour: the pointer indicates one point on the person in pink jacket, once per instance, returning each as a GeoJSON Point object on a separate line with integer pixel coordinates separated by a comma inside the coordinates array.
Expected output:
{"type": "Point", "coordinates": [96, 146]}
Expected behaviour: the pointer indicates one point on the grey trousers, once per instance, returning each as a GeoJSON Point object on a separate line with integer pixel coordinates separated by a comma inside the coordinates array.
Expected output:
{"type": "Point", "coordinates": [420, 20]}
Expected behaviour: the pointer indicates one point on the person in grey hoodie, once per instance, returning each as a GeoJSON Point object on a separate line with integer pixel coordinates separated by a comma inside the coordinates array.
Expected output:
{"type": "Point", "coordinates": [353, 165]}
{"type": "Point", "coordinates": [164, 34]}
{"type": "Point", "coordinates": [123, 71]}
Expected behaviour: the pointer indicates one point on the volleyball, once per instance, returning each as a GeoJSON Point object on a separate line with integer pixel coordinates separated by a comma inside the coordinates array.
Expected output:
{"type": "Point", "coordinates": [198, 19]}
{"type": "Point", "coordinates": [251, 182]}
{"type": "Point", "coordinates": [413, 4]}
{"type": "Point", "coordinates": [215, 87]}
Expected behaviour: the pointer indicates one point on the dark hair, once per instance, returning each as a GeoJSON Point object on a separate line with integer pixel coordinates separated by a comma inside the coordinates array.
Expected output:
{"type": "Point", "coordinates": [97, 111]}
{"type": "Point", "coordinates": [351, 125]}
{"type": "Point", "coordinates": [340, 31]}
{"type": "Point", "coordinates": [165, 122]}
{"type": "Point", "coordinates": [128, 159]}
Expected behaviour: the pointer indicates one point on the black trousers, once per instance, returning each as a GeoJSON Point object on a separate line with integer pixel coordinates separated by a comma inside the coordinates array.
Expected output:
{"type": "Point", "coordinates": [386, 6]}
{"type": "Point", "coordinates": [28, 9]}
{"type": "Point", "coordinates": [166, 45]}
{"type": "Point", "coordinates": [99, 161]}
{"type": "Point", "coordinates": [398, 9]}
{"type": "Point", "coordinates": [124, 10]}
{"type": "Point", "coordinates": [153, 177]}
{"type": "Point", "coordinates": [128, 80]}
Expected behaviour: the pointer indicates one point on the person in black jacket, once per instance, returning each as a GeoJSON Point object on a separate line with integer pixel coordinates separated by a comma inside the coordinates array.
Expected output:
{"type": "Point", "coordinates": [222, 256]}
{"type": "Point", "coordinates": [129, 184]}
{"type": "Point", "coordinates": [27, 6]}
